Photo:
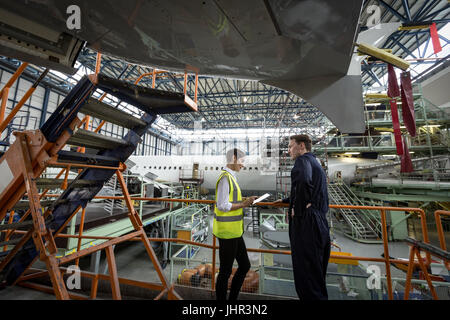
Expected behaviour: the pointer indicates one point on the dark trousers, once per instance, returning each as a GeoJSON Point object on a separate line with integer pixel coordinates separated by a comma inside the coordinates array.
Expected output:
{"type": "Point", "coordinates": [230, 249]}
{"type": "Point", "coordinates": [310, 248]}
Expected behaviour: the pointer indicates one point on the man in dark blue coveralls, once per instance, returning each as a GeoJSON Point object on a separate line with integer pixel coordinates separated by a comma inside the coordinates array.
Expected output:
{"type": "Point", "coordinates": [308, 227]}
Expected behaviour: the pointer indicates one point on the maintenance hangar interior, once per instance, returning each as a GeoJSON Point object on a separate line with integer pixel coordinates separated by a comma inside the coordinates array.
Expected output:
{"type": "Point", "coordinates": [116, 118]}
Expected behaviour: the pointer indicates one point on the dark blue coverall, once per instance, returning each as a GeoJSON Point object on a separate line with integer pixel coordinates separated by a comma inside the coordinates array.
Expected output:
{"type": "Point", "coordinates": [308, 229]}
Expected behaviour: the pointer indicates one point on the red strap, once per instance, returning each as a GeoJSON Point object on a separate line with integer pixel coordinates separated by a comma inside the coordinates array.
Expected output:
{"type": "Point", "coordinates": [406, 163]}
{"type": "Point", "coordinates": [393, 90]}
{"type": "Point", "coordinates": [396, 125]}
{"type": "Point", "coordinates": [408, 103]}
{"type": "Point", "coordinates": [435, 38]}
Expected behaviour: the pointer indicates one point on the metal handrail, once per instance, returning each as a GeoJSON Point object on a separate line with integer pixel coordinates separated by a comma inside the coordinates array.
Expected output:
{"type": "Point", "coordinates": [381, 209]}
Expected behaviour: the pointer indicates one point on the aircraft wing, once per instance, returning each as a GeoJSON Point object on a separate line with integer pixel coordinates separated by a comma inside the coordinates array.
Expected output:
{"type": "Point", "coordinates": [302, 46]}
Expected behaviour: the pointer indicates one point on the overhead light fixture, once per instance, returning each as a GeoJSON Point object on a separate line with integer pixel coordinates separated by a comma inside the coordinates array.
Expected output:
{"type": "Point", "coordinates": [247, 118]}
{"type": "Point", "coordinates": [351, 153]}
{"type": "Point", "coordinates": [432, 126]}
{"type": "Point", "coordinates": [245, 99]}
{"type": "Point", "coordinates": [203, 120]}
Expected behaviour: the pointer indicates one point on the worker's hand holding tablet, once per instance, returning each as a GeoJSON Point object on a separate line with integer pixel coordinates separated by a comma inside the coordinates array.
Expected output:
{"type": "Point", "coordinates": [261, 198]}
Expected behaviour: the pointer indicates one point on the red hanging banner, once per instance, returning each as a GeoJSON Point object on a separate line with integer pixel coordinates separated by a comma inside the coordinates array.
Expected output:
{"type": "Point", "coordinates": [408, 103]}
{"type": "Point", "coordinates": [435, 38]}
{"type": "Point", "coordinates": [396, 125]}
{"type": "Point", "coordinates": [393, 90]}
{"type": "Point", "coordinates": [406, 163]}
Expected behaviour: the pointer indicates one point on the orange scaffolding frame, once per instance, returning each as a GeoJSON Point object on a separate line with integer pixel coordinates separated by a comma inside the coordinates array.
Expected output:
{"type": "Point", "coordinates": [48, 249]}
{"type": "Point", "coordinates": [386, 259]}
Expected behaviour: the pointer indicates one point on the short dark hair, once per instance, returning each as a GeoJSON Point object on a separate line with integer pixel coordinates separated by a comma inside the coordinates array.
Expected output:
{"type": "Point", "coordinates": [234, 152]}
{"type": "Point", "coordinates": [302, 138]}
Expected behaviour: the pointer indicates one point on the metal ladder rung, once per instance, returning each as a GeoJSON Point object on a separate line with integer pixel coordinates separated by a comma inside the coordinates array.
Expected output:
{"type": "Point", "coordinates": [89, 139]}
{"type": "Point", "coordinates": [56, 183]}
{"type": "Point", "coordinates": [25, 204]}
{"type": "Point", "coordinates": [75, 158]}
{"type": "Point", "coordinates": [10, 242]}
{"type": "Point", "coordinates": [105, 112]}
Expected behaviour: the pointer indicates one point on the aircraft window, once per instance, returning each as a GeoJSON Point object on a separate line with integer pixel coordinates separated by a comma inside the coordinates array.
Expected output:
{"type": "Point", "coordinates": [170, 168]}
{"type": "Point", "coordinates": [217, 168]}
{"type": "Point", "coordinates": [206, 168]}
{"type": "Point", "coordinates": [165, 168]}
{"type": "Point", "coordinates": [256, 168]}
{"type": "Point", "coordinates": [179, 168]}
{"type": "Point", "coordinates": [250, 168]}
{"type": "Point", "coordinates": [145, 167]}
{"type": "Point", "coordinates": [212, 168]}
{"type": "Point", "coordinates": [159, 168]}
{"type": "Point", "coordinates": [221, 168]}
{"type": "Point", "coordinates": [245, 168]}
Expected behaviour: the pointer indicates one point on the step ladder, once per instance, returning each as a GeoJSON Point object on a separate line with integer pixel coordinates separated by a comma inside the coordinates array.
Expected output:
{"type": "Point", "coordinates": [112, 188]}
{"type": "Point", "coordinates": [28, 157]}
{"type": "Point", "coordinates": [254, 211]}
{"type": "Point", "coordinates": [361, 224]}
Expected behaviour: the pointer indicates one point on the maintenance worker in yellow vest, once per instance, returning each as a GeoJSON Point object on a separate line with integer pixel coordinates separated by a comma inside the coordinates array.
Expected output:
{"type": "Point", "coordinates": [228, 227]}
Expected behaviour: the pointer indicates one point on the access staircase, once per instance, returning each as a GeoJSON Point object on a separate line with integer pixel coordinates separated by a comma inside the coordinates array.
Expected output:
{"type": "Point", "coordinates": [32, 152]}
{"type": "Point", "coordinates": [361, 225]}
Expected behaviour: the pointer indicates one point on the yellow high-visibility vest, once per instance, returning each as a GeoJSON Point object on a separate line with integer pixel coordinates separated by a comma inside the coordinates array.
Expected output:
{"type": "Point", "coordinates": [229, 225]}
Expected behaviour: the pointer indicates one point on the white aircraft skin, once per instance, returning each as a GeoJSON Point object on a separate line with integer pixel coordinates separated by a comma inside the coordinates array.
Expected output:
{"type": "Point", "coordinates": [258, 174]}
{"type": "Point", "coordinates": [167, 168]}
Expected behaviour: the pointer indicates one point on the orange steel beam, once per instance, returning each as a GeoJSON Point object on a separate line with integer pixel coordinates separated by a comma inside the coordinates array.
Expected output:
{"type": "Point", "coordinates": [153, 79]}
{"type": "Point", "coordinates": [4, 98]}
{"type": "Point", "coordinates": [101, 246]}
{"type": "Point", "coordinates": [386, 254]}
{"type": "Point", "coordinates": [22, 101]}
{"type": "Point", "coordinates": [409, 273]}
{"type": "Point", "coordinates": [440, 230]}
{"type": "Point", "coordinates": [425, 273]}
{"type": "Point", "coordinates": [386, 260]}
{"type": "Point", "coordinates": [10, 220]}
{"type": "Point", "coordinates": [137, 223]}
{"type": "Point", "coordinates": [5, 90]}
{"type": "Point", "coordinates": [196, 87]}
{"type": "Point", "coordinates": [80, 233]}
{"type": "Point", "coordinates": [15, 76]}
{"type": "Point", "coordinates": [112, 269]}
{"type": "Point", "coordinates": [98, 63]}
{"type": "Point", "coordinates": [95, 277]}
{"type": "Point", "coordinates": [47, 289]}
{"type": "Point", "coordinates": [39, 228]}
{"type": "Point", "coordinates": [287, 252]}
